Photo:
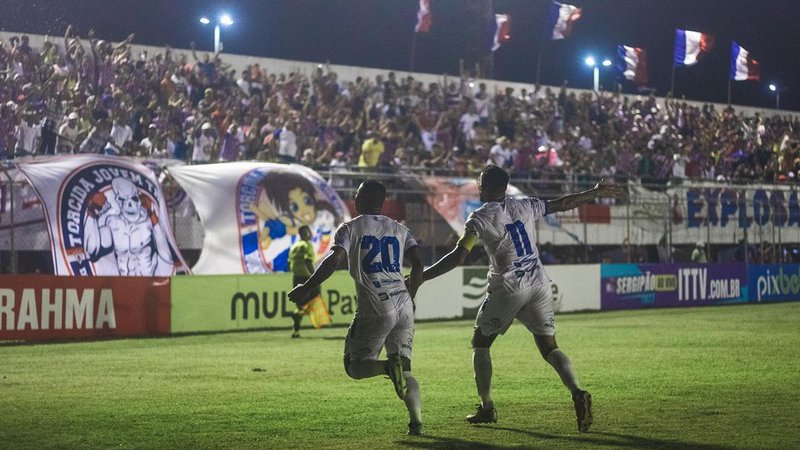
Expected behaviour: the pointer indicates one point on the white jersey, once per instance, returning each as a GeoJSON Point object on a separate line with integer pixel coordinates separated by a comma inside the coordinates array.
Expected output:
{"type": "Point", "coordinates": [375, 246]}
{"type": "Point", "coordinates": [507, 231]}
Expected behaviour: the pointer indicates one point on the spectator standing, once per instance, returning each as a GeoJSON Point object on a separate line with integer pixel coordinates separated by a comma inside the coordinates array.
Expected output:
{"type": "Point", "coordinates": [205, 142]}
{"type": "Point", "coordinates": [28, 135]}
{"type": "Point", "coordinates": [371, 150]}
{"type": "Point", "coordinates": [67, 139]}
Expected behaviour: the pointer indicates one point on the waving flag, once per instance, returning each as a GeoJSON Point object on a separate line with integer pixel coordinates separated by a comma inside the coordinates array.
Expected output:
{"type": "Point", "coordinates": [424, 19]}
{"type": "Point", "coordinates": [502, 32]}
{"type": "Point", "coordinates": [743, 66]}
{"type": "Point", "coordinates": [633, 63]}
{"type": "Point", "coordinates": [563, 16]}
{"type": "Point", "coordinates": [691, 46]}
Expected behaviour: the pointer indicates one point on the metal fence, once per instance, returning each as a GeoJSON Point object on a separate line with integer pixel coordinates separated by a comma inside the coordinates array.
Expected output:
{"type": "Point", "coordinates": [654, 223]}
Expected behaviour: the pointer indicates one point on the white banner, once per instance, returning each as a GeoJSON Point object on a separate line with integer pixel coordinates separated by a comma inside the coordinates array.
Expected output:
{"type": "Point", "coordinates": [105, 216]}
{"type": "Point", "coordinates": [460, 292]}
{"type": "Point", "coordinates": [251, 213]}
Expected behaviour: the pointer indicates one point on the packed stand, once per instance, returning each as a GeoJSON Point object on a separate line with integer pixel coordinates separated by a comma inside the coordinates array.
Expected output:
{"type": "Point", "coordinates": [92, 96]}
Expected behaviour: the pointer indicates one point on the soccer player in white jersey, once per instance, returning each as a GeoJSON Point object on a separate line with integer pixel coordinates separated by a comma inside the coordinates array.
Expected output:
{"type": "Point", "coordinates": [374, 247]}
{"type": "Point", "coordinates": [518, 285]}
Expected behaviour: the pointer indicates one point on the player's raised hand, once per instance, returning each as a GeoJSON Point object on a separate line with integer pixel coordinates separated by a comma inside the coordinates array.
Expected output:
{"type": "Point", "coordinates": [609, 189]}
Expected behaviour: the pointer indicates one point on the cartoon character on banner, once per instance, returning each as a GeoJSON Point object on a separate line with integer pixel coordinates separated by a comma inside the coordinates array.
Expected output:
{"type": "Point", "coordinates": [127, 225]}
{"type": "Point", "coordinates": [285, 202]}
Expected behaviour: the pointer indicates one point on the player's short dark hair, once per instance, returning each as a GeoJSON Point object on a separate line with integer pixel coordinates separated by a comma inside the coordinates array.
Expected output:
{"type": "Point", "coordinates": [494, 178]}
{"type": "Point", "coordinates": [372, 194]}
{"type": "Point", "coordinates": [303, 228]}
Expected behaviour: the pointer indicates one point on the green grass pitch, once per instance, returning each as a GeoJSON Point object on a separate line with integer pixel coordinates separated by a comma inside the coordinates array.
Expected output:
{"type": "Point", "coordinates": [708, 378]}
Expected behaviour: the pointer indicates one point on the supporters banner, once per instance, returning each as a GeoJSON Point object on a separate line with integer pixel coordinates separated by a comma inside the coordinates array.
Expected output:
{"type": "Point", "coordinates": [42, 307]}
{"type": "Point", "coordinates": [562, 19]}
{"type": "Point", "coordinates": [105, 216]}
{"type": "Point", "coordinates": [691, 47]}
{"type": "Point", "coordinates": [251, 213]}
{"type": "Point", "coordinates": [455, 198]}
{"type": "Point", "coordinates": [633, 286]}
{"type": "Point", "coordinates": [237, 302]}
{"type": "Point", "coordinates": [743, 66]}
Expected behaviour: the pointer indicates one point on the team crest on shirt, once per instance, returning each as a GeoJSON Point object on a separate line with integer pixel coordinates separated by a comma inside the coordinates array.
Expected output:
{"type": "Point", "coordinates": [109, 224]}
{"type": "Point", "coordinates": [273, 203]}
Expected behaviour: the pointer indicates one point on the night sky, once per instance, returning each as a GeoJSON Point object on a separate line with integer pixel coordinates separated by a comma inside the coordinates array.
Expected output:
{"type": "Point", "coordinates": [378, 33]}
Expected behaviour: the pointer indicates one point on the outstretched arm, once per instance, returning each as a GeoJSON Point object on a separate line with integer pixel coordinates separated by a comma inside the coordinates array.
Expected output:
{"type": "Point", "coordinates": [570, 201]}
{"type": "Point", "coordinates": [455, 258]}
{"type": "Point", "coordinates": [415, 279]}
{"type": "Point", "coordinates": [332, 260]}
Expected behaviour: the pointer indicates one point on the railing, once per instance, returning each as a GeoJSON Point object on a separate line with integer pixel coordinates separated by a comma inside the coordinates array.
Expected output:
{"type": "Point", "coordinates": [655, 223]}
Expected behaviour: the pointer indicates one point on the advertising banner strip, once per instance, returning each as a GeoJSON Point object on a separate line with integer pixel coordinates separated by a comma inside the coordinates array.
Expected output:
{"type": "Point", "coordinates": [43, 307]}
{"type": "Point", "coordinates": [774, 283]}
{"type": "Point", "coordinates": [238, 302]}
{"type": "Point", "coordinates": [631, 286]}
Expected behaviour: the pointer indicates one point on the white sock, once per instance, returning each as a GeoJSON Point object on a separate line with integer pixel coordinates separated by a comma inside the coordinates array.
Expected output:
{"type": "Point", "coordinates": [560, 361]}
{"type": "Point", "coordinates": [482, 364]}
{"type": "Point", "coordinates": [413, 400]}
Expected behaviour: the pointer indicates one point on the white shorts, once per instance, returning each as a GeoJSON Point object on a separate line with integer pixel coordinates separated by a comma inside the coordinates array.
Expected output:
{"type": "Point", "coordinates": [368, 334]}
{"type": "Point", "coordinates": [532, 306]}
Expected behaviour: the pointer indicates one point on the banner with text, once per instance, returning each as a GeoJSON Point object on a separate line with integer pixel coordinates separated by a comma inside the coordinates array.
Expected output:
{"type": "Point", "coordinates": [237, 302]}
{"type": "Point", "coordinates": [774, 283]}
{"type": "Point", "coordinates": [105, 215]}
{"type": "Point", "coordinates": [251, 213]}
{"type": "Point", "coordinates": [43, 307]}
{"type": "Point", "coordinates": [631, 286]}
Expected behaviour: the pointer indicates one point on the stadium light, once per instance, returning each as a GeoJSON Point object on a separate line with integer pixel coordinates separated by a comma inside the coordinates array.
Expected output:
{"type": "Point", "coordinates": [777, 90]}
{"type": "Point", "coordinates": [225, 20]}
{"type": "Point", "coordinates": [591, 62]}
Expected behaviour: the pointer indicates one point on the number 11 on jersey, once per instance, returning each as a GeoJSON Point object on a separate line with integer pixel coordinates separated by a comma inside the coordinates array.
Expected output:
{"type": "Point", "coordinates": [520, 238]}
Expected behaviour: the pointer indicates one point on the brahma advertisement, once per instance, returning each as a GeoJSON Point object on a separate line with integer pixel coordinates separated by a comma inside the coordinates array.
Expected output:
{"type": "Point", "coordinates": [39, 307]}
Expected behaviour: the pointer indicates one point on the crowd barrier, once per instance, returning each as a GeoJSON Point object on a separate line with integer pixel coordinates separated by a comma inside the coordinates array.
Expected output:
{"type": "Point", "coordinates": [43, 307]}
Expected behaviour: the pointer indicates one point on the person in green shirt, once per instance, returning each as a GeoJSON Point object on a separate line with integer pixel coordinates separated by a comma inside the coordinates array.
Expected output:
{"type": "Point", "coordinates": [301, 263]}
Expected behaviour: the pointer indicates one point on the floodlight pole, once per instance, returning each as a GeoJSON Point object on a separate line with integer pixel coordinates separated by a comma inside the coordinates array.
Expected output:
{"type": "Point", "coordinates": [216, 38]}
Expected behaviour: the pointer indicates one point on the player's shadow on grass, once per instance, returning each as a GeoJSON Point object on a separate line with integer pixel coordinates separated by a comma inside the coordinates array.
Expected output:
{"type": "Point", "coordinates": [615, 440]}
{"type": "Point", "coordinates": [439, 442]}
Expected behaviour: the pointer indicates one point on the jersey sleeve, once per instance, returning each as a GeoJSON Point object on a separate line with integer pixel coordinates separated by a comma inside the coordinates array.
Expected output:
{"type": "Point", "coordinates": [473, 225]}
{"type": "Point", "coordinates": [341, 238]}
{"type": "Point", "coordinates": [410, 241]}
{"type": "Point", "coordinates": [539, 207]}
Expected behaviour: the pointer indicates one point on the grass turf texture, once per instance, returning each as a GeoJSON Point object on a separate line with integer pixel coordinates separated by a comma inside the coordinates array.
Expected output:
{"type": "Point", "coordinates": [722, 377]}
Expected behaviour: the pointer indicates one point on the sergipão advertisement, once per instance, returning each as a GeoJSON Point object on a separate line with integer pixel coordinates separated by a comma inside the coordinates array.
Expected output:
{"type": "Point", "coordinates": [772, 282]}
{"type": "Point", "coordinates": [631, 286]}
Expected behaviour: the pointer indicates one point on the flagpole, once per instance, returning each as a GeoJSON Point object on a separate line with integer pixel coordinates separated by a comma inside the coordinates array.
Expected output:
{"type": "Point", "coordinates": [729, 91]}
{"type": "Point", "coordinates": [539, 62]}
{"type": "Point", "coordinates": [413, 51]}
{"type": "Point", "coordinates": [672, 83]}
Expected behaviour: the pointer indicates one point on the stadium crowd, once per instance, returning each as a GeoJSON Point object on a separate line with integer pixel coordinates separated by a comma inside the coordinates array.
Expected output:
{"type": "Point", "coordinates": [92, 96]}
